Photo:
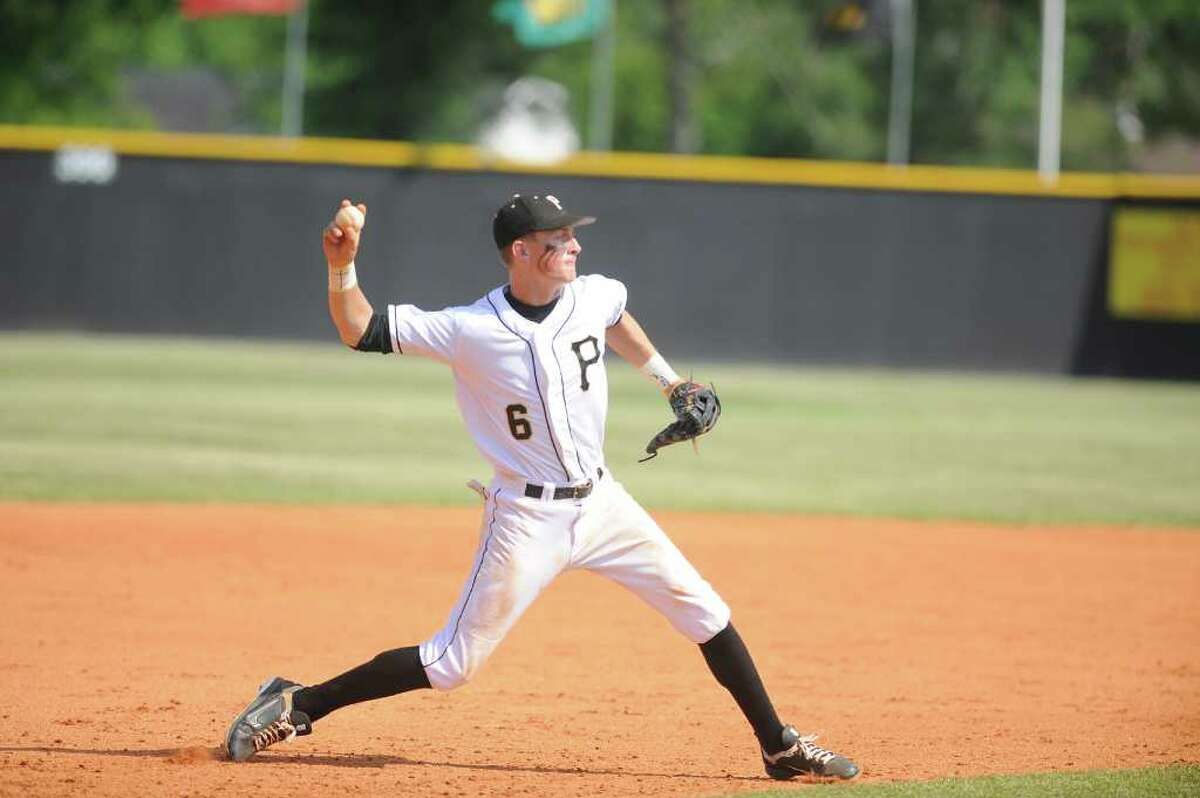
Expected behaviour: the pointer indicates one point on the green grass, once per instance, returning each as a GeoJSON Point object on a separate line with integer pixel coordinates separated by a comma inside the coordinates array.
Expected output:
{"type": "Point", "coordinates": [1169, 782]}
{"type": "Point", "coordinates": [131, 418]}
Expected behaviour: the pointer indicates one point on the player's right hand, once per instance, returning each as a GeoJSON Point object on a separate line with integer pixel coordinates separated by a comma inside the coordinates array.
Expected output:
{"type": "Point", "coordinates": [341, 243]}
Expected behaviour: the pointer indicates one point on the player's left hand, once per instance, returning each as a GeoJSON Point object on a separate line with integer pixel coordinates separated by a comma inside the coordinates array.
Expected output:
{"type": "Point", "coordinates": [696, 409]}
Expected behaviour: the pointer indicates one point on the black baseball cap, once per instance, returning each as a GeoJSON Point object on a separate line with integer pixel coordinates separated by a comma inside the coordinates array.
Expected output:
{"type": "Point", "coordinates": [525, 214]}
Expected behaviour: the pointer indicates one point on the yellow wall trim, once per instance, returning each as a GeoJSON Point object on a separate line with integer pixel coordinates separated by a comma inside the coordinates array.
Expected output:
{"type": "Point", "coordinates": [710, 168]}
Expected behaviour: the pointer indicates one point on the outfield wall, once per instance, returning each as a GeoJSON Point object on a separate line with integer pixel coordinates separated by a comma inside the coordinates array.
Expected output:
{"type": "Point", "coordinates": [829, 272]}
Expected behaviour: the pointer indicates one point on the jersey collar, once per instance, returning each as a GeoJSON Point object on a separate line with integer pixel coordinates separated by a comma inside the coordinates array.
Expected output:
{"type": "Point", "coordinates": [522, 326]}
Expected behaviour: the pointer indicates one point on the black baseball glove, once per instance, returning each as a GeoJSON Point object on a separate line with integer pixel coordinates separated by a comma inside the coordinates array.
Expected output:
{"type": "Point", "coordinates": [696, 409]}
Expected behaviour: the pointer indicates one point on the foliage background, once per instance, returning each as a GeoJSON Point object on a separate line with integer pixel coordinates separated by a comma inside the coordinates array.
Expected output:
{"type": "Point", "coordinates": [761, 77]}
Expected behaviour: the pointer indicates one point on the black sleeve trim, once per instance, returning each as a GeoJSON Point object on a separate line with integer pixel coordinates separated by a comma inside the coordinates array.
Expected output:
{"type": "Point", "coordinates": [376, 338]}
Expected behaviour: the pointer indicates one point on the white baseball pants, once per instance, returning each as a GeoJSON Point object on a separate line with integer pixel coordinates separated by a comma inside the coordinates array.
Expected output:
{"type": "Point", "coordinates": [525, 543]}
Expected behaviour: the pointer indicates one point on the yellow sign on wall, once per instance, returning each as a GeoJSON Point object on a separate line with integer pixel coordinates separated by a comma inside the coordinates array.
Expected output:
{"type": "Point", "coordinates": [1154, 270]}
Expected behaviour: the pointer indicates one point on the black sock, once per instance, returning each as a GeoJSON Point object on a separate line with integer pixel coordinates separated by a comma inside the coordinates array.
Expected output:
{"type": "Point", "coordinates": [731, 663]}
{"type": "Point", "coordinates": [392, 672]}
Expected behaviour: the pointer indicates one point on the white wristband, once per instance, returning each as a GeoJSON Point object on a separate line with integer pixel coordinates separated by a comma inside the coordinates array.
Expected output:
{"type": "Point", "coordinates": [657, 369]}
{"type": "Point", "coordinates": [342, 280]}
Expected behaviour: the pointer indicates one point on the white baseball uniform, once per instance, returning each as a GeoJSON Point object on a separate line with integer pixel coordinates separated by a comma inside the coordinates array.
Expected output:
{"type": "Point", "coordinates": [534, 397]}
{"type": "Point", "coordinates": [532, 389]}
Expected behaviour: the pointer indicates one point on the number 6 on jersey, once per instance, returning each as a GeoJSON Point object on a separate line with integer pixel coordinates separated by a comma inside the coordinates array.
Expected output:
{"type": "Point", "coordinates": [517, 423]}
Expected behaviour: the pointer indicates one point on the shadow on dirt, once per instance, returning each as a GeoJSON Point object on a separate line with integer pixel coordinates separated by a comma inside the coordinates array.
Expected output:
{"type": "Point", "coordinates": [198, 754]}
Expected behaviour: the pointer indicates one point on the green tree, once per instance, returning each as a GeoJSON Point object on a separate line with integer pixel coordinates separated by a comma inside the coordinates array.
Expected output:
{"type": "Point", "coordinates": [405, 70]}
{"type": "Point", "coordinates": [61, 60]}
{"type": "Point", "coordinates": [1137, 68]}
{"type": "Point", "coordinates": [975, 98]}
{"type": "Point", "coordinates": [1132, 64]}
{"type": "Point", "coordinates": [70, 61]}
{"type": "Point", "coordinates": [773, 84]}
{"type": "Point", "coordinates": [244, 52]}
{"type": "Point", "coordinates": [772, 77]}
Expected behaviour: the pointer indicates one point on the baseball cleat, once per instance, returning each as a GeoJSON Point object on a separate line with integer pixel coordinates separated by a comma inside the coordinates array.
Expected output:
{"type": "Point", "coordinates": [801, 756]}
{"type": "Point", "coordinates": [267, 720]}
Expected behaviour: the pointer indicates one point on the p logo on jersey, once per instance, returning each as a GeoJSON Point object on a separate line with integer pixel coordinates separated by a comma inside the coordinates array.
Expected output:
{"type": "Point", "coordinates": [591, 358]}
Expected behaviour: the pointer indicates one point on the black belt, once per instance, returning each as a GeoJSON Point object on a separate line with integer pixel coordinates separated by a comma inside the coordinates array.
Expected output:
{"type": "Point", "coordinates": [566, 492]}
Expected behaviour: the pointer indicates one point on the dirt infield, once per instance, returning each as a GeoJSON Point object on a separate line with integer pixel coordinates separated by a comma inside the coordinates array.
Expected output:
{"type": "Point", "coordinates": [132, 634]}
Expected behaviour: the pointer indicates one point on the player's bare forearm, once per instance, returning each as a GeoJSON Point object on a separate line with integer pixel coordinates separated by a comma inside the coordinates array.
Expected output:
{"type": "Point", "coordinates": [629, 340]}
{"type": "Point", "coordinates": [351, 313]}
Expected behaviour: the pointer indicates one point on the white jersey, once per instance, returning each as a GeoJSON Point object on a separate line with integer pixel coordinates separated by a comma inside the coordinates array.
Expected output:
{"type": "Point", "coordinates": [534, 396]}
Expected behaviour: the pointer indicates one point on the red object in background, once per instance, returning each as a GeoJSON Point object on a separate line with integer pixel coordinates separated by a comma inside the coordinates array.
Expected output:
{"type": "Point", "coordinates": [193, 9]}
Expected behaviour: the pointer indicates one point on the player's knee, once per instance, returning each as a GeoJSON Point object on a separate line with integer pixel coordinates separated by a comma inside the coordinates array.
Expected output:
{"type": "Point", "coordinates": [701, 622]}
{"type": "Point", "coordinates": [451, 678]}
{"type": "Point", "coordinates": [456, 668]}
{"type": "Point", "coordinates": [451, 681]}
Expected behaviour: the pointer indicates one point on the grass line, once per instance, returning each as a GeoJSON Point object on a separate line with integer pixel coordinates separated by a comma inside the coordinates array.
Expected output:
{"type": "Point", "coordinates": [1175, 781]}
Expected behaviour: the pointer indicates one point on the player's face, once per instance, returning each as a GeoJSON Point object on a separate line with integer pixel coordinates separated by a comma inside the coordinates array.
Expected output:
{"type": "Point", "coordinates": [557, 254]}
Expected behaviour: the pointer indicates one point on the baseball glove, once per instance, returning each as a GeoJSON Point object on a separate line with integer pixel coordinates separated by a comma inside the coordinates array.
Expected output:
{"type": "Point", "coordinates": [696, 409]}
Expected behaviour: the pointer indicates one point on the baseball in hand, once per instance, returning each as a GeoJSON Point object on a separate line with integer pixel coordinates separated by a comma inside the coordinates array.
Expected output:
{"type": "Point", "coordinates": [349, 217]}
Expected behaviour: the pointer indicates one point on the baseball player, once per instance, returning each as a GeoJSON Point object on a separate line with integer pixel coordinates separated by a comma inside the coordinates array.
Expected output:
{"type": "Point", "coordinates": [529, 372]}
